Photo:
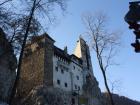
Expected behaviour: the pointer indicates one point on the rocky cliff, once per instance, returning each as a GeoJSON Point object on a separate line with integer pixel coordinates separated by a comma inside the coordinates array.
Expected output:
{"type": "Point", "coordinates": [42, 95]}
{"type": "Point", "coordinates": [8, 64]}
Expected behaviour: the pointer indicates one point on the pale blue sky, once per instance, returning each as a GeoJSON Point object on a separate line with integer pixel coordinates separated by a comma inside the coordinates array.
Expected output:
{"type": "Point", "coordinates": [70, 27]}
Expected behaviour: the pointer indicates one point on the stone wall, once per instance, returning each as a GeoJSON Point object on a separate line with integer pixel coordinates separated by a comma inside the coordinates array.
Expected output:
{"type": "Point", "coordinates": [93, 92]}
{"type": "Point", "coordinates": [32, 72]}
{"type": "Point", "coordinates": [37, 65]}
{"type": "Point", "coordinates": [42, 95]}
{"type": "Point", "coordinates": [48, 66]}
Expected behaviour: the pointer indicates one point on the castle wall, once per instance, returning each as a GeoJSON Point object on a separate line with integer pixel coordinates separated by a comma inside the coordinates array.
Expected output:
{"type": "Point", "coordinates": [69, 74]}
{"type": "Point", "coordinates": [61, 73]}
{"type": "Point", "coordinates": [77, 78]}
{"type": "Point", "coordinates": [37, 65]}
{"type": "Point", "coordinates": [32, 72]}
{"type": "Point", "coordinates": [48, 62]}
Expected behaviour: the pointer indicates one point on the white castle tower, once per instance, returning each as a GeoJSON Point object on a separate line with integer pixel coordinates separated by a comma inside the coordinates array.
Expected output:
{"type": "Point", "coordinates": [82, 52]}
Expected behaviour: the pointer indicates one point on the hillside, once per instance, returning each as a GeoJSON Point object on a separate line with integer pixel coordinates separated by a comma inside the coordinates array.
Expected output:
{"type": "Point", "coordinates": [121, 100]}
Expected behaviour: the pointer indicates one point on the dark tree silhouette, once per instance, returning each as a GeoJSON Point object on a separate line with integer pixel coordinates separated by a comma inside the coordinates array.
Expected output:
{"type": "Point", "coordinates": [34, 5]}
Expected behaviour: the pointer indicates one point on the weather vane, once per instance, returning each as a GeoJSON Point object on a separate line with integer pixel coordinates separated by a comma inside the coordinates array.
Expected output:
{"type": "Point", "coordinates": [133, 19]}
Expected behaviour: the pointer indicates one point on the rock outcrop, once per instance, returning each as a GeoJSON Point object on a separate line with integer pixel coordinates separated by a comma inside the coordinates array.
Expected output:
{"type": "Point", "coordinates": [93, 91]}
{"type": "Point", "coordinates": [8, 65]}
{"type": "Point", "coordinates": [41, 95]}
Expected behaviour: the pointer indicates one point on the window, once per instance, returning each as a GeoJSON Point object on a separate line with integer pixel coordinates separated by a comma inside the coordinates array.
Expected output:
{"type": "Point", "coordinates": [78, 87]}
{"type": "Point", "coordinates": [75, 86]}
{"type": "Point", "coordinates": [73, 101]}
{"type": "Point", "coordinates": [56, 68]}
{"type": "Point", "coordinates": [58, 82]}
{"type": "Point", "coordinates": [74, 67]}
{"type": "Point", "coordinates": [66, 85]}
{"type": "Point", "coordinates": [77, 77]}
{"type": "Point", "coordinates": [66, 69]}
{"type": "Point", "coordinates": [62, 71]}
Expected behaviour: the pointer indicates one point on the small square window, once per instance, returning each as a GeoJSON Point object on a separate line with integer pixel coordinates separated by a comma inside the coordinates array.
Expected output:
{"type": "Point", "coordinates": [58, 82]}
{"type": "Point", "coordinates": [77, 77]}
{"type": "Point", "coordinates": [73, 101]}
{"type": "Point", "coordinates": [62, 71]}
{"type": "Point", "coordinates": [56, 68]}
{"type": "Point", "coordinates": [78, 87]}
{"type": "Point", "coordinates": [66, 85]}
{"type": "Point", "coordinates": [74, 67]}
{"type": "Point", "coordinates": [75, 86]}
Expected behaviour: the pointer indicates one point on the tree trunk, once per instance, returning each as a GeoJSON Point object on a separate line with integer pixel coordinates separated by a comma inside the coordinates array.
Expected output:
{"type": "Point", "coordinates": [21, 54]}
{"type": "Point", "coordinates": [103, 72]}
{"type": "Point", "coordinates": [108, 90]}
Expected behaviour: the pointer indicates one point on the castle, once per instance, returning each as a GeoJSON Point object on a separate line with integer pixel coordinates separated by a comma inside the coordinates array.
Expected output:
{"type": "Point", "coordinates": [47, 65]}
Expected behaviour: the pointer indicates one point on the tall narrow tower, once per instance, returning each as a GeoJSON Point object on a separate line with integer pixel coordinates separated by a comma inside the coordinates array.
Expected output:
{"type": "Point", "coordinates": [90, 87]}
{"type": "Point", "coordinates": [82, 51]}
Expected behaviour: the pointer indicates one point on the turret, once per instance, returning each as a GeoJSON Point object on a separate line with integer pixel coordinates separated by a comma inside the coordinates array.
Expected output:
{"type": "Point", "coordinates": [82, 51]}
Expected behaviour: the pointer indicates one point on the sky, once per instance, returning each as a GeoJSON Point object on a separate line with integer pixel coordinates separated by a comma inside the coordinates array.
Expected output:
{"type": "Point", "coordinates": [66, 32]}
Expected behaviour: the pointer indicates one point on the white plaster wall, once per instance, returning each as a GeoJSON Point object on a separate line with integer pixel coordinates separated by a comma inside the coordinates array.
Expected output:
{"type": "Point", "coordinates": [77, 51]}
{"type": "Point", "coordinates": [69, 76]}
{"type": "Point", "coordinates": [77, 72]}
{"type": "Point", "coordinates": [63, 77]}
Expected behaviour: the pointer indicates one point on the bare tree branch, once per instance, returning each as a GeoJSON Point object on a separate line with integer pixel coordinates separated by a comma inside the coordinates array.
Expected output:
{"type": "Point", "coordinates": [103, 43]}
{"type": "Point", "coordinates": [35, 5]}
{"type": "Point", "coordinates": [4, 2]}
